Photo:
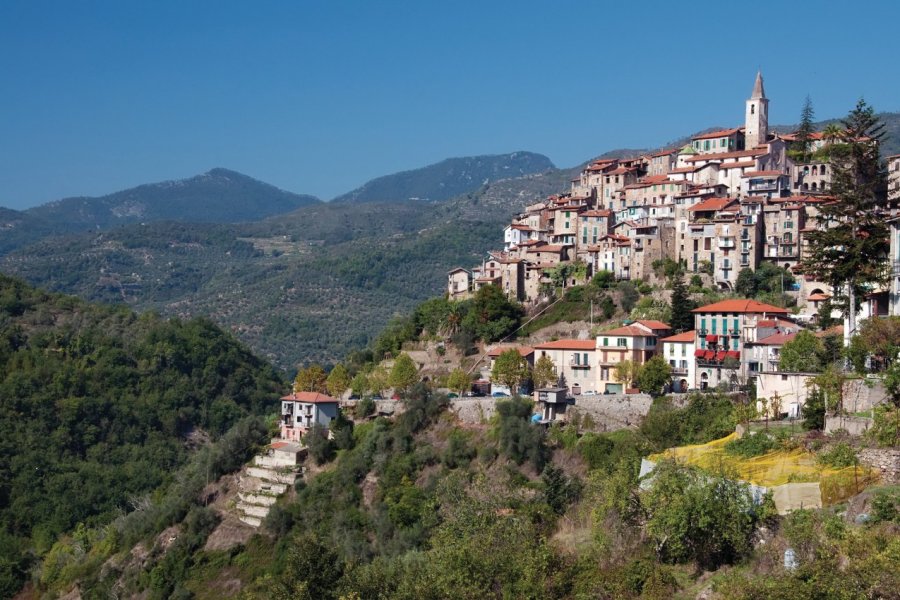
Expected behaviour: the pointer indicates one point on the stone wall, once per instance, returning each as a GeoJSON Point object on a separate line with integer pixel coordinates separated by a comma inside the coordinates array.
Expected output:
{"type": "Point", "coordinates": [613, 411]}
{"type": "Point", "coordinates": [853, 425]}
{"type": "Point", "coordinates": [608, 411]}
{"type": "Point", "coordinates": [473, 410]}
{"type": "Point", "coordinates": [886, 460]}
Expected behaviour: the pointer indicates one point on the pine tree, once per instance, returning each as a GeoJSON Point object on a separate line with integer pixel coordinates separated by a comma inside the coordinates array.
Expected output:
{"type": "Point", "coordinates": [682, 318]}
{"type": "Point", "coordinates": [847, 249]}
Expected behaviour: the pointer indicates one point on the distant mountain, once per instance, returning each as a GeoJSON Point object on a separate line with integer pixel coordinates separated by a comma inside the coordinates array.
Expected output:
{"type": "Point", "coordinates": [448, 178]}
{"type": "Point", "coordinates": [218, 196]}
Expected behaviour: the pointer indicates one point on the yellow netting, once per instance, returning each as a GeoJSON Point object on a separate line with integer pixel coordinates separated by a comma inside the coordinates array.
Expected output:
{"type": "Point", "coordinates": [775, 468]}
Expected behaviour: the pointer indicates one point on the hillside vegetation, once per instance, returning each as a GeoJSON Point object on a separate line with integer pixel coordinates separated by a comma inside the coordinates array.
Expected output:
{"type": "Point", "coordinates": [99, 407]}
{"type": "Point", "coordinates": [448, 178]}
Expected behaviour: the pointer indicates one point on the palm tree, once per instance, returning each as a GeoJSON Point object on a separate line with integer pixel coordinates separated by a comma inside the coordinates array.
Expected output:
{"type": "Point", "coordinates": [452, 321]}
{"type": "Point", "coordinates": [833, 133]}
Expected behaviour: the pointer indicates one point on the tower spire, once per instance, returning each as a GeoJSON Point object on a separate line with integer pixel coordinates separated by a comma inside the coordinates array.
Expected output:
{"type": "Point", "coordinates": [758, 89]}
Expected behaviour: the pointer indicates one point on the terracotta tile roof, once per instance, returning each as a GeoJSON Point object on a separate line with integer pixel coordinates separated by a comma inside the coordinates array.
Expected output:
{"type": "Point", "coordinates": [775, 323]}
{"type": "Point", "coordinates": [763, 174]}
{"type": "Point", "coordinates": [712, 204]}
{"type": "Point", "coordinates": [656, 179]}
{"type": "Point", "coordinates": [686, 337]}
{"type": "Point", "coordinates": [567, 345]}
{"type": "Point", "coordinates": [724, 155]}
{"type": "Point", "coordinates": [651, 324]}
{"type": "Point", "coordinates": [457, 269]}
{"type": "Point", "coordinates": [737, 165]}
{"type": "Point", "coordinates": [521, 227]}
{"type": "Point", "coordinates": [684, 170]}
{"type": "Point", "coordinates": [627, 331]}
{"type": "Point", "coordinates": [716, 134]}
{"type": "Point", "coordinates": [776, 339]}
{"type": "Point", "coordinates": [621, 171]}
{"type": "Point", "coordinates": [310, 398]}
{"type": "Point", "coordinates": [836, 330]}
{"type": "Point", "coordinates": [740, 306]}
{"type": "Point", "coordinates": [547, 248]}
{"type": "Point", "coordinates": [597, 213]}
{"type": "Point", "coordinates": [818, 297]}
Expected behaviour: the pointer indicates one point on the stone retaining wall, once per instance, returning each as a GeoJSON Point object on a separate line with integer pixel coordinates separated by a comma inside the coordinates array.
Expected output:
{"type": "Point", "coordinates": [613, 411]}
{"type": "Point", "coordinates": [886, 460]}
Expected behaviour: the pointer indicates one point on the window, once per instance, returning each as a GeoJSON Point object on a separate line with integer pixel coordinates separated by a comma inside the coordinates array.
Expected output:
{"type": "Point", "coordinates": [752, 109]}
{"type": "Point", "coordinates": [605, 342]}
{"type": "Point", "coordinates": [621, 342]}
{"type": "Point", "coordinates": [788, 224]}
{"type": "Point", "coordinates": [706, 145]}
{"type": "Point", "coordinates": [723, 143]}
{"type": "Point", "coordinates": [651, 341]}
{"type": "Point", "coordinates": [585, 359]}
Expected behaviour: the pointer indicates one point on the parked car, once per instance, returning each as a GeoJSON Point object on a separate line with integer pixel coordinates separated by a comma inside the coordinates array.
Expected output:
{"type": "Point", "coordinates": [589, 393]}
{"type": "Point", "coordinates": [500, 395]}
{"type": "Point", "coordinates": [377, 397]}
{"type": "Point", "coordinates": [353, 397]}
{"type": "Point", "coordinates": [453, 395]}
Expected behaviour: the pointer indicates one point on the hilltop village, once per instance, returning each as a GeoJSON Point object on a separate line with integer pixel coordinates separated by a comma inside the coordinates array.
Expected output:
{"type": "Point", "coordinates": [729, 200]}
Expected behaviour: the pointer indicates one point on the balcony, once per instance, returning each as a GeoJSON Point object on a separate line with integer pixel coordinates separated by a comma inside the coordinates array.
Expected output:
{"type": "Point", "coordinates": [726, 242]}
{"type": "Point", "coordinates": [577, 365]}
{"type": "Point", "coordinates": [679, 370]}
{"type": "Point", "coordinates": [734, 332]}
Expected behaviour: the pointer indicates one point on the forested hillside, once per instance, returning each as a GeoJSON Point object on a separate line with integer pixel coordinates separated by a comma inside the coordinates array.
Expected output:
{"type": "Point", "coordinates": [301, 288]}
{"type": "Point", "coordinates": [99, 406]}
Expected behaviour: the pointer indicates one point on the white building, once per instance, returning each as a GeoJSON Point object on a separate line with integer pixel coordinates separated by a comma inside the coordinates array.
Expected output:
{"type": "Point", "coordinates": [678, 350]}
{"type": "Point", "coordinates": [302, 410]}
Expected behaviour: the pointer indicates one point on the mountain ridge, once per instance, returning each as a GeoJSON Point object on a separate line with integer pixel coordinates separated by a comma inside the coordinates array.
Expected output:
{"type": "Point", "coordinates": [447, 178]}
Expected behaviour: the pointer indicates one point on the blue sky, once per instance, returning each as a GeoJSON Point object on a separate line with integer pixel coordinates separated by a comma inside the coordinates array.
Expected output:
{"type": "Point", "coordinates": [319, 96]}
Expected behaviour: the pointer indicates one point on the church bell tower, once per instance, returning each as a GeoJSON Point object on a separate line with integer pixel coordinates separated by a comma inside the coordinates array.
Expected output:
{"type": "Point", "coordinates": [756, 120]}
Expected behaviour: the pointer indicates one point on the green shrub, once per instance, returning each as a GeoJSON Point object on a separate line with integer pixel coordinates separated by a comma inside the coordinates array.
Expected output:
{"type": "Point", "coordinates": [749, 445]}
{"type": "Point", "coordinates": [839, 456]}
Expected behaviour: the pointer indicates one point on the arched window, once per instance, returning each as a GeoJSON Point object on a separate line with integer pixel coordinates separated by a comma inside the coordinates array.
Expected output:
{"type": "Point", "coordinates": [814, 186]}
{"type": "Point", "coordinates": [822, 170]}
{"type": "Point", "coordinates": [752, 109]}
{"type": "Point", "coordinates": [815, 170]}
{"type": "Point", "coordinates": [806, 170]}
{"type": "Point", "coordinates": [805, 186]}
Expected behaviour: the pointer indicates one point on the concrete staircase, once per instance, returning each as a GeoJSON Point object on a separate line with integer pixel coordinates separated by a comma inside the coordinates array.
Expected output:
{"type": "Point", "coordinates": [268, 477]}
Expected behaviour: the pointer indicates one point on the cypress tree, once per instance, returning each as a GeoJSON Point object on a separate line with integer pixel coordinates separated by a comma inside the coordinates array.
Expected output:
{"type": "Point", "coordinates": [682, 305]}
{"type": "Point", "coordinates": [804, 132]}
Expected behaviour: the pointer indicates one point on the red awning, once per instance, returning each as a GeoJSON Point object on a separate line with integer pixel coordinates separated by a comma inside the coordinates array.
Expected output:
{"type": "Point", "coordinates": [734, 354]}
{"type": "Point", "coordinates": [712, 339]}
{"type": "Point", "coordinates": [709, 354]}
{"type": "Point", "coordinates": [699, 353]}
{"type": "Point", "coordinates": [720, 355]}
